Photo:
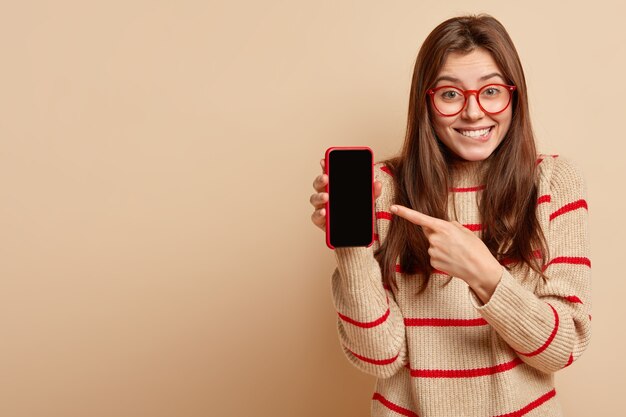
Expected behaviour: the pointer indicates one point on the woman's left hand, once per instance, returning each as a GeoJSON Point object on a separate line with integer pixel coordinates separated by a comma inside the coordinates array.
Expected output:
{"type": "Point", "coordinates": [456, 250]}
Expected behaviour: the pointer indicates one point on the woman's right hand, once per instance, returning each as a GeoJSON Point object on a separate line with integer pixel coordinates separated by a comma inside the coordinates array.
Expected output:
{"type": "Point", "coordinates": [319, 199]}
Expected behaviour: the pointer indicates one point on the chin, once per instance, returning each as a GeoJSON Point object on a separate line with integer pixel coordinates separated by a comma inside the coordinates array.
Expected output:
{"type": "Point", "coordinates": [474, 156]}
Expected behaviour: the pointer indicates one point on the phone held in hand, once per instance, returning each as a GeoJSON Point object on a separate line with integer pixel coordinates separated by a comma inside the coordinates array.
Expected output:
{"type": "Point", "coordinates": [350, 206]}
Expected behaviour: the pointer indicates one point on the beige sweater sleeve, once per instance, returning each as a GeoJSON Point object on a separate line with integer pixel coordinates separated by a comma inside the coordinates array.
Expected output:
{"type": "Point", "coordinates": [370, 324]}
{"type": "Point", "coordinates": [551, 327]}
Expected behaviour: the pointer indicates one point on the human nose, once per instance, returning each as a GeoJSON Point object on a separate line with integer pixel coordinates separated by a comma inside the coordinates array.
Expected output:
{"type": "Point", "coordinates": [472, 110]}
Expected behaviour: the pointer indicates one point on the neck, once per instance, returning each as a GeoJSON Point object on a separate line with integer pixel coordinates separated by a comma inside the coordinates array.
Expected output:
{"type": "Point", "coordinates": [467, 173]}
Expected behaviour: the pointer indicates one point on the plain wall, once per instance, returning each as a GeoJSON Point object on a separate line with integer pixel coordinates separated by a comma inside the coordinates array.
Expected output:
{"type": "Point", "coordinates": [157, 256]}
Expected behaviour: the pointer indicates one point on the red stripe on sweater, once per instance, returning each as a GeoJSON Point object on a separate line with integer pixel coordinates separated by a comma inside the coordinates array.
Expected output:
{"type": "Point", "coordinates": [467, 189]}
{"type": "Point", "coordinates": [545, 397]}
{"type": "Point", "coordinates": [569, 207]}
{"type": "Point", "coordinates": [365, 325]}
{"type": "Point", "coordinates": [376, 236]}
{"type": "Point", "coordinates": [375, 361]}
{"type": "Point", "coordinates": [473, 227]}
{"type": "Point", "coordinates": [383, 215]}
{"type": "Point", "coordinates": [542, 157]}
{"type": "Point", "coordinates": [394, 407]}
{"type": "Point", "coordinates": [465, 373]}
{"type": "Point", "coordinates": [574, 260]}
{"type": "Point", "coordinates": [506, 261]}
{"type": "Point", "coordinates": [385, 169]}
{"type": "Point", "coordinates": [399, 269]}
{"type": "Point", "coordinates": [570, 360]}
{"type": "Point", "coordinates": [418, 322]}
{"type": "Point", "coordinates": [573, 299]}
{"type": "Point", "coordinates": [544, 199]}
{"type": "Point", "coordinates": [550, 339]}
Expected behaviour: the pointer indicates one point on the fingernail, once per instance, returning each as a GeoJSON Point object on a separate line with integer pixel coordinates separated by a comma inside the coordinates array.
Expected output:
{"type": "Point", "coordinates": [394, 209]}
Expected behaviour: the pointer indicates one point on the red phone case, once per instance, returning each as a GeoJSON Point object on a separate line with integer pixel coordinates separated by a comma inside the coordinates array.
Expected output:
{"type": "Point", "coordinates": [327, 170]}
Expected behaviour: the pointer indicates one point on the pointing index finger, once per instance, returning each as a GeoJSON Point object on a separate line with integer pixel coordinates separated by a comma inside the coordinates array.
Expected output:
{"type": "Point", "coordinates": [416, 217]}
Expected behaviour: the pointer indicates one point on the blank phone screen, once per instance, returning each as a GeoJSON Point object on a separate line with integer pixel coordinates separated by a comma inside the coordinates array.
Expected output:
{"type": "Point", "coordinates": [350, 213]}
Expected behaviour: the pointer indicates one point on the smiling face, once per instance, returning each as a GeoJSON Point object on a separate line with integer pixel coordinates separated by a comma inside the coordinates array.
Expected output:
{"type": "Point", "coordinates": [464, 134]}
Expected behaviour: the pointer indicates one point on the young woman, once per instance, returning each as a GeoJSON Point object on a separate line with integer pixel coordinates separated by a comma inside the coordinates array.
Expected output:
{"type": "Point", "coordinates": [477, 289]}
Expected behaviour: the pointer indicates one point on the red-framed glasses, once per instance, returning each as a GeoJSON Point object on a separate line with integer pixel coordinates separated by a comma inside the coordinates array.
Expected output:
{"type": "Point", "coordinates": [492, 98]}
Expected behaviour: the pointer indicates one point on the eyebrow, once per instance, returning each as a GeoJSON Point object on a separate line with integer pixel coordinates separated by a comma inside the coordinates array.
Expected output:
{"type": "Point", "coordinates": [456, 80]}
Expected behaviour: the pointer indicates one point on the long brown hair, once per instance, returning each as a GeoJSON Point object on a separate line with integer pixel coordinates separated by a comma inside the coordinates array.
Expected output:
{"type": "Point", "coordinates": [422, 173]}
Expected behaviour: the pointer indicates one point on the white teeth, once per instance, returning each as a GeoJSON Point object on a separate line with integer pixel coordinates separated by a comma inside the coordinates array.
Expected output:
{"type": "Point", "coordinates": [474, 133]}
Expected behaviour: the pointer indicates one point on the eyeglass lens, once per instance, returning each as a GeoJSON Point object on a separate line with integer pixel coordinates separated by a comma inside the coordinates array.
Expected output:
{"type": "Point", "coordinates": [492, 98]}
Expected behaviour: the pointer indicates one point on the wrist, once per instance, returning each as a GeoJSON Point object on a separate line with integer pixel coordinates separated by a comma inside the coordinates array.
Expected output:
{"type": "Point", "coordinates": [487, 279]}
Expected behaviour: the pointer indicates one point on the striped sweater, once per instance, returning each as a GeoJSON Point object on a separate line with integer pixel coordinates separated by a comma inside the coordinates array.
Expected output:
{"type": "Point", "coordinates": [444, 353]}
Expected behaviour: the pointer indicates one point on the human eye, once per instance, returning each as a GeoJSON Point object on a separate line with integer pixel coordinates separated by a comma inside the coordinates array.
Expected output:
{"type": "Point", "coordinates": [449, 94]}
{"type": "Point", "coordinates": [491, 90]}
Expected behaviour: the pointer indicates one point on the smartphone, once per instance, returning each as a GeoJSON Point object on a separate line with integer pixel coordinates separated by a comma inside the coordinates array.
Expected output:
{"type": "Point", "coordinates": [350, 206]}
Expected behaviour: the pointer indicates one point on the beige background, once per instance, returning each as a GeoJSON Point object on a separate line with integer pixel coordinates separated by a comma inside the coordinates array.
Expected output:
{"type": "Point", "coordinates": [156, 159]}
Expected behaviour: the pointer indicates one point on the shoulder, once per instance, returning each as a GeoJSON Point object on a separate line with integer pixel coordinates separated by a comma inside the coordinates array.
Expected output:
{"type": "Point", "coordinates": [560, 170]}
{"type": "Point", "coordinates": [567, 175]}
{"type": "Point", "coordinates": [564, 177]}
